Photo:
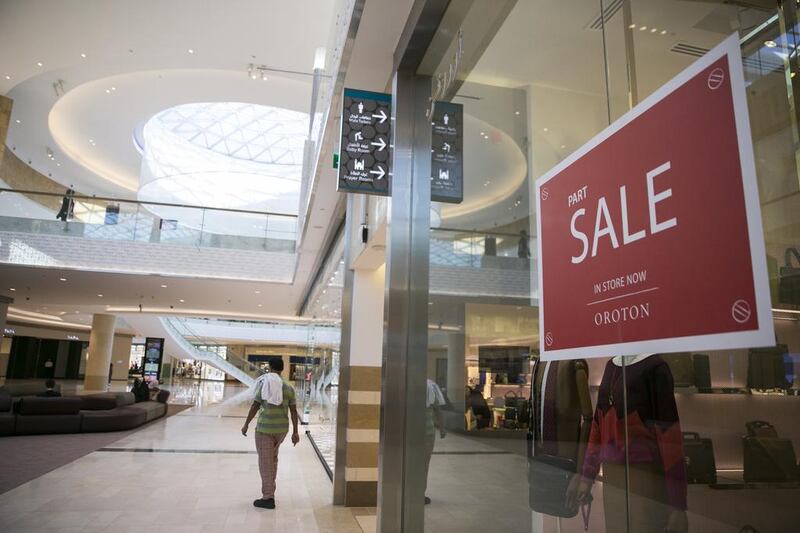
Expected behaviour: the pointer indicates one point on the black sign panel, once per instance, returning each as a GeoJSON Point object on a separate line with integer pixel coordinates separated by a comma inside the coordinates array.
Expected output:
{"type": "Point", "coordinates": [153, 354]}
{"type": "Point", "coordinates": [447, 168]}
{"type": "Point", "coordinates": [365, 143]}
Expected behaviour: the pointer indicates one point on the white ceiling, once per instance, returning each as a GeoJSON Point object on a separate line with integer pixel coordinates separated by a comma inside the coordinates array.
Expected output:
{"type": "Point", "coordinates": [160, 72]}
{"type": "Point", "coordinates": [141, 50]}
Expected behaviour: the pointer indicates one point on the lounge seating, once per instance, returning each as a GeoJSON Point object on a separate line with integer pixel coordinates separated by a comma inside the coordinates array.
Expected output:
{"type": "Point", "coordinates": [18, 390]}
{"type": "Point", "coordinates": [48, 415]}
{"type": "Point", "coordinates": [7, 418]}
{"type": "Point", "coordinates": [115, 411]}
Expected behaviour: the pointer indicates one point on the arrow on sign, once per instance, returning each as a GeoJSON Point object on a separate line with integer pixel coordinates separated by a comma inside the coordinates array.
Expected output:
{"type": "Point", "coordinates": [382, 116]}
{"type": "Point", "coordinates": [381, 144]}
{"type": "Point", "coordinates": [380, 172]}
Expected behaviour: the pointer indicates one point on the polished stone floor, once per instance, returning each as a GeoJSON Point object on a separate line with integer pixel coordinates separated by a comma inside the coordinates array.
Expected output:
{"type": "Point", "coordinates": [192, 472]}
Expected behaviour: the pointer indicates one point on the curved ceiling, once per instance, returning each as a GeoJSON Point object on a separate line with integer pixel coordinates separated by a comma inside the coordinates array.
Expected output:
{"type": "Point", "coordinates": [105, 68]}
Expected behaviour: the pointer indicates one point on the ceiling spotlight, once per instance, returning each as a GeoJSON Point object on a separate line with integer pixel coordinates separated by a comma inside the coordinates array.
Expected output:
{"type": "Point", "coordinates": [545, 130]}
{"type": "Point", "coordinates": [653, 30]}
{"type": "Point", "coordinates": [99, 295]}
{"type": "Point", "coordinates": [264, 76]}
{"type": "Point", "coordinates": [18, 121]}
{"type": "Point", "coordinates": [631, 26]}
{"type": "Point", "coordinates": [642, 28]}
{"type": "Point", "coordinates": [181, 300]}
{"type": "Point", "coordinates": [516, 112]}
{"type": "Point", "coordinates": [191, 50]}
{"type": "Point", "coordinates": [770, 44]}
{"type": "Point", "coordinates": [8, 77]}
{"type": "Point", "coordinates": [83, 55]}
{"type": "Point", "coordinates": [39, 64]}
{"type": "Point", "coordinates": [113, 88]}
{"type": "Point", "coordinates": [12, 289]}
{"type": "Point", "coordinates": [108, 91]}
{"type": "Point", "coordinates": [258, 292]}
{"type": "Point", "coordinates": [163, 286]}
{"type": "Point", "coordinates": [260, 305]}
{"type": "Point", "coordinates": [62, 279]}
{"type": "Point", "coordinates": [663, 32]}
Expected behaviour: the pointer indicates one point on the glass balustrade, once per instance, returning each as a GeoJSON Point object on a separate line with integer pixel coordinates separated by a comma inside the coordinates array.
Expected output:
{"type": "Point", "coordinates": [127, 220]}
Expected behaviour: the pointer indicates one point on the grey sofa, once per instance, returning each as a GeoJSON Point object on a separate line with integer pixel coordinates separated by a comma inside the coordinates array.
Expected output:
{"type": "Point", "coordinates": [116, 411]}
{"type": "Point", "coordinates": [7, 418]}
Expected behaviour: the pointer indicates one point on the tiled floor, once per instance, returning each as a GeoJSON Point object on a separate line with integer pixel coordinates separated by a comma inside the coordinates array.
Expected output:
{"type": "Point", "coordinates": [199, 474]}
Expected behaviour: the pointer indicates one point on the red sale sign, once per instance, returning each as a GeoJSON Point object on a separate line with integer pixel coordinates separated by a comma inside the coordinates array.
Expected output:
{"type": "Point", "coordinates": [650, 236]}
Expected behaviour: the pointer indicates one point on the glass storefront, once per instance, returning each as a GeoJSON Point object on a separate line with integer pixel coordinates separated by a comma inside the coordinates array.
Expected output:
{"type": "Point", "coordinates": [662, 442]}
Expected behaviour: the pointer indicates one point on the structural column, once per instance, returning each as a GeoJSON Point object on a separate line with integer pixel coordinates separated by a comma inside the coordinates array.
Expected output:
{"type": "Point", "coordinates": [357, 460]}
{"type": "Point", "coordinates": [456, 376]}
{"type": "Point", "coordinates": [101, 342]}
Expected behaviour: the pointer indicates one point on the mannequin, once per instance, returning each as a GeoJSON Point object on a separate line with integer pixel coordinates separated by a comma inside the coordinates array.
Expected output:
{"type": "Point", "coordinates": [562, 416]}
{"type": "Point", "coordinates": [654, 449]}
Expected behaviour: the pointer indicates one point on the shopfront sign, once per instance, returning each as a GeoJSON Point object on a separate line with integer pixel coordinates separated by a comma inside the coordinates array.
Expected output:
{"type": "Point", "coordinates": [447, 141]}
{"type": "Point", "coordinates": [153, 355]}
{"type": "Point", "coordinates": [365, 143]}
{"type": "Point", "coordinates": [650, 236]}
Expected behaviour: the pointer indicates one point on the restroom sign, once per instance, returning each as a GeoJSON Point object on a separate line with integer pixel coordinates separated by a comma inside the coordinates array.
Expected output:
{"type": "Point", "coordinates": [365, 143]}
{"type": "Point", "coordinates": [650, 236]}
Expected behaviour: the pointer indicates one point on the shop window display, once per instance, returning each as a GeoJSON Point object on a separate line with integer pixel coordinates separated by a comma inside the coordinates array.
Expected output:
{"type": "Point", "coordinates": [656, 442]}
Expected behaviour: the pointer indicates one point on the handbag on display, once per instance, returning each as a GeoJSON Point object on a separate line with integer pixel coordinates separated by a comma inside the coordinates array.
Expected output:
{"type": "Point", "coordinates": [699, 457]}
{"type": "Point", "coordinates": [766, 368]}
{"type": "Point", "coordinates": [548, 478]}
{"type": "Point", "coordinates": [789, 279]}
{"type": "Point", "coordinates": [702, 371]}
{"type": "Point", "coordinates": [682, 368]}
{"type": "Point", "coordinates": [767, 457]}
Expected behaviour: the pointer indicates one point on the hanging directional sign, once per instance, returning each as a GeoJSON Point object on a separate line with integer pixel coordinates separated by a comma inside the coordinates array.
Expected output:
{"type": "Point", "coordinates": [447, 168]}
{"type": "Point", "coordinates": [365, 143]}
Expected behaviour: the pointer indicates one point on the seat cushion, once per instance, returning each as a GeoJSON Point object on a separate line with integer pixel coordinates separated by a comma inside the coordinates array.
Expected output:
{"type": "Point", "coordinates": [118, 419]}
{"type": "Point", "coordinates": [162, 396]}
{"type": "Point", "coordinates": [67, 405]}
{"type": "Point", "coordinates": [7, 423]}
{"type": "Point", "coordinates": [152, 409]}
{"type": "Point", "coordinates": [5, 402]}
{"type": "Point", "coordinates": [99, 402]}
{"type": "Point", "coordinates": [42, 424]}
{"type": "Point", "coordinates": [124, 398]}
{"type": "Point", "coordinates": [26, 389]}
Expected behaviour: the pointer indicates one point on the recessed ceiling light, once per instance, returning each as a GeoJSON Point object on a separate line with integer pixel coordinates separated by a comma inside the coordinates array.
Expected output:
{"type": "Point", "coordinates": [39, 64]}
{"type": "Point", "coordinates": [191, 51]}
{"type": "Point", "coordinates": [12, 289]}
{"type": "Point", "coordinates": [631, 26]}
{"type": "Point", "coordinates": [663, 32]}
{"type": "Point", "coordinates": [642, 28]}
{"type": "Point", "coordinates": [653, 30]}
{"type": "Point", "coordinates": [181, 300]}
{"type": "Point", "coordinates": [516, 112]}
{"type": "Point", "coordinates": [563, 146]}
{"type": "Point", "coordinates": [99, 295]}
{"type": "Point", "coordinates": [770, 44]}
{"type": "Point", "coordinates": [18, 121]}
{"type": "Point", "coordinates": [83, 55]}
{"type": "Point", "coordinates": [62, 279]}
{"type": "Point", "coordinates": [8, 77]}
{"type": "Point", "coordinates": [260, 305]}
{"type": "Point", "coordinates": [113, 88]}
{"type": "Point", "coordinates": [545, 130]}
{"type": "Point", "coordinates": [163, 286]}
{"type": "Point", "coordinates": [108, 91]}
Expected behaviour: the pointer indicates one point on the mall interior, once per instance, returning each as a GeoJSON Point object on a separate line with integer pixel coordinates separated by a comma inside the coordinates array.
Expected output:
{"type": "Point", "coordinates": [187, 197]}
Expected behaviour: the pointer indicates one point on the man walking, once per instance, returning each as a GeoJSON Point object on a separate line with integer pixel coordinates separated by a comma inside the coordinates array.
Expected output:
{"type": "Point", "coordinates": [271, 429]}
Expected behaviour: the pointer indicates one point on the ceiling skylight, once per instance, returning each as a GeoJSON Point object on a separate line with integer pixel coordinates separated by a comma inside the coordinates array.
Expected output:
{"type": "Point", "coordinates": [224, 154]}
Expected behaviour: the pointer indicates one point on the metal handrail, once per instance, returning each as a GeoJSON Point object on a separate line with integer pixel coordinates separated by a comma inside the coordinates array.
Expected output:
{"type": "Point", "coordinates": [477, 232]}
{"type": "Point", "coordinates": [139, 202]}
